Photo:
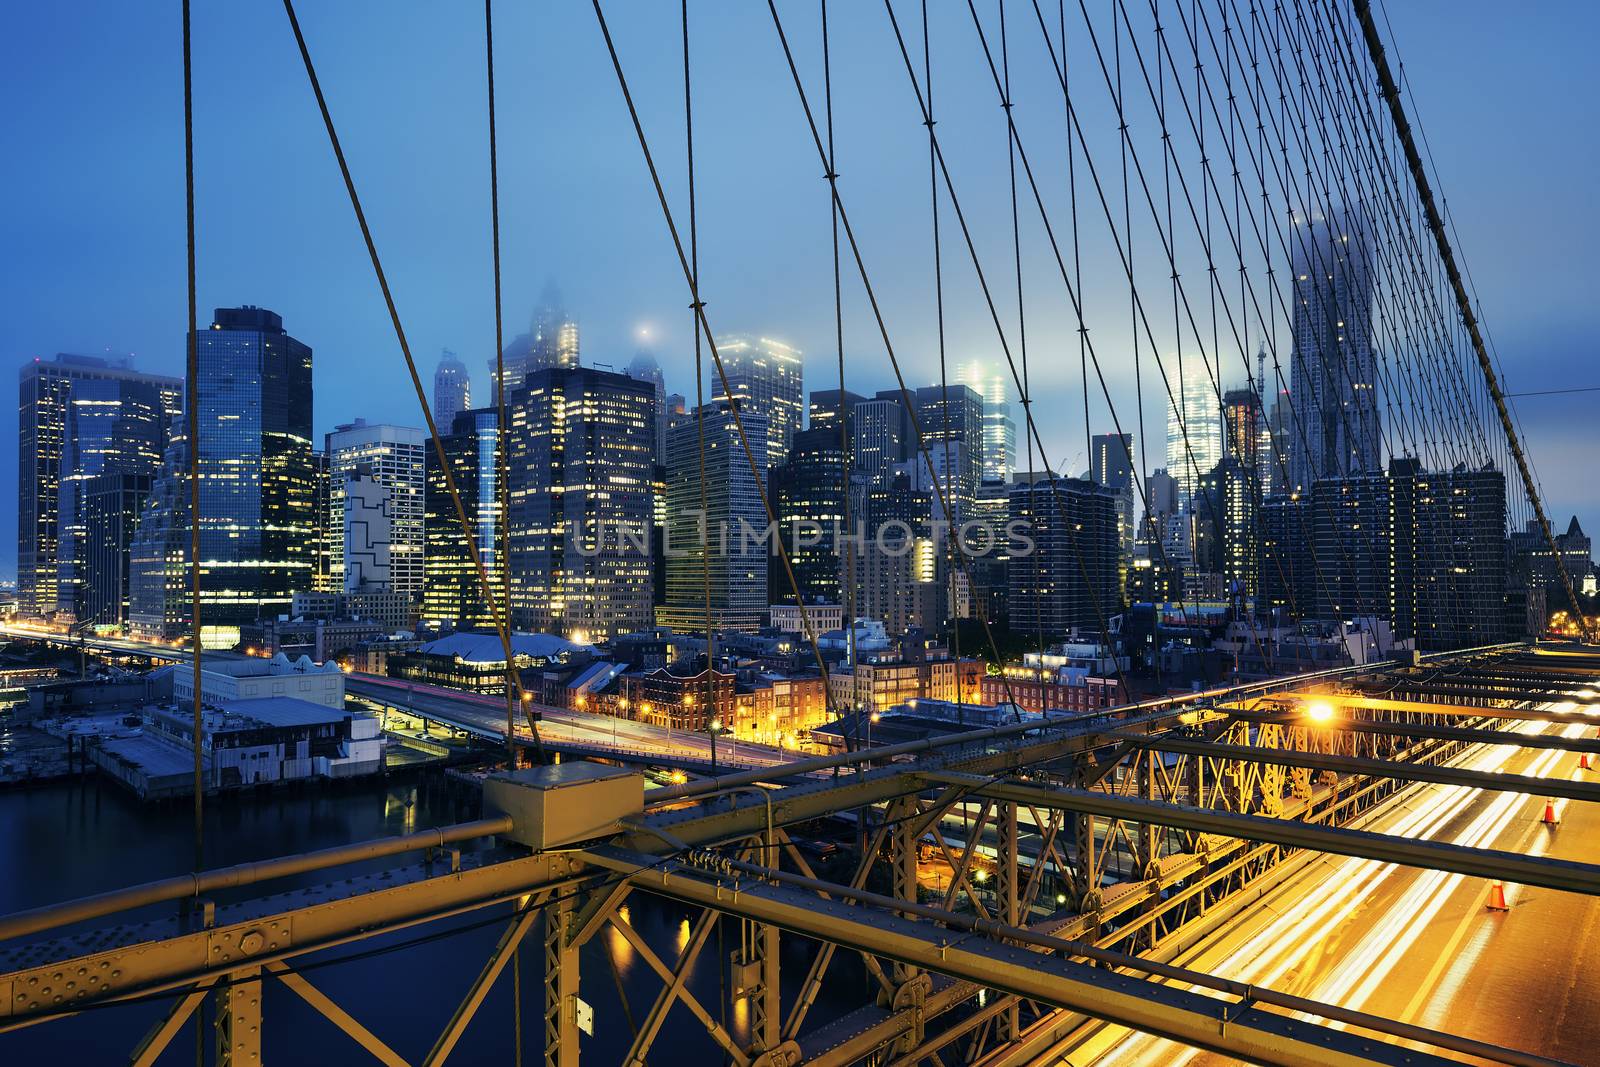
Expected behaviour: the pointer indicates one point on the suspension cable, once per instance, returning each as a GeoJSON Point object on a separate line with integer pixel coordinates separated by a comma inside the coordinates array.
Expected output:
{"type": "Point", "coordinates": [498, 612]}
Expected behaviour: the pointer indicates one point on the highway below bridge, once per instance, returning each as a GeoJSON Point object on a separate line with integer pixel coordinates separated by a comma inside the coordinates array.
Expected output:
{"type": "Point", "coordinates": [568, 731]}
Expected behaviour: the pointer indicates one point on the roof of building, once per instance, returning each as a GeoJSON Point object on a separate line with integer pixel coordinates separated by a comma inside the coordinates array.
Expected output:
{"type": "Point", "coordinates": [596, 676]}
{"type": "Point", "coordinates": [486, 648]}
{"type": "Point", "coordinates": [156, 758]}
{"type": "Point", "coordinates": [282, 711]}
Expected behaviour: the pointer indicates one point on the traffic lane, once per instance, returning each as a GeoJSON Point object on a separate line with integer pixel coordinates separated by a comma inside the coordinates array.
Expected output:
{"type": "Point", "coordinates": [1367, 935]}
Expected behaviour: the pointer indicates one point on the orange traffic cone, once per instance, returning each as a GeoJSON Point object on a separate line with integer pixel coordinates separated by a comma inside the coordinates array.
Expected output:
{"type": "Point", "coordinates": [1583, 762]}
{"type": "Point", "coordinates": [1497, 897]}
{"type": "Point", "coordinates": [1550, 817]}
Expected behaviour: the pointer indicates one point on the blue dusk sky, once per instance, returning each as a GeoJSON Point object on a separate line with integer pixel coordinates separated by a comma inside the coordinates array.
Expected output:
{"type": "Point", "coordinates": [92, 223]}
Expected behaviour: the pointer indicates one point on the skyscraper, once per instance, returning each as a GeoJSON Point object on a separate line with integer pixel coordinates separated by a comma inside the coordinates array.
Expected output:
{"type": "Point", "coordinates": [368, 522]}
{"type": "Point", "coordinates": [110, 505]}
{"type": "Point", "coordinates": [257, 475]}
{"type": "Point", "coordinates": [829, 406]}
{"type": "Point", "coordinates": [117, 428]}
{"type": "Point", "coordinates": [882, 438]}
{"type": "Point", "coordinates": [726, 534]}
{"type": "Point", "coordinates": [451, 591]}
{"type": "Point", "coordinates": [1334, 372]}
{"type": "Point", "coordinates": [551, 341]}
{"type": "Point", "coordinates": [766, 378]}
{"type": "Point", "coordinates": [394, 457]}
{"type": "Point", "coordinates": [1227, 529]}
{"type": "Point", "coordinates": [1194, 427]}
{"type": "Point", "coordinates": [256, 472]}
{"type": "Point", "coordinates": [1111, 465]}
{"type": "Point", "coordinates": [808, 494]}
{"type": "Point", "coordinates": [953, 412]}
{"type": "Point", "coordinates": [44, 397]}
{"type": "Point", "coordinates": [1242, 429]}
{"type": "Point", "coordinates": [452, 389]}
{"type": "Point", "coordinates": [998, 455]}
{"type": "Point", "coordinates": [644, 368]}
{"type": "Point", "coordinates": [1071, 577]}
{"type": "Point", "coordinates": [582, 496]}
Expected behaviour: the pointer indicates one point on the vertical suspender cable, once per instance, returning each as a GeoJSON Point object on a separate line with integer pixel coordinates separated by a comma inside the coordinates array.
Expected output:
{"type": "Point", "coordinates": [497, 611]}
{"type": "Point", "coordinates": [503, 437]}
{"type": "Point", "coordinates": [699, 393]}
{"type": "Point", "coordinates": [848, 584]}
{"type": "Point", "coordinates": [192, 418]}
{"type": "Point", "coordinates": [503, 475]}
{"type": "Point", "coordinates": [952, 603]}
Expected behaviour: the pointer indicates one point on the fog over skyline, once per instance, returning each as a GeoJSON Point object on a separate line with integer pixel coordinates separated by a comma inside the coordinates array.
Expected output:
{"type": "Point", "coordinates": [93, 224]}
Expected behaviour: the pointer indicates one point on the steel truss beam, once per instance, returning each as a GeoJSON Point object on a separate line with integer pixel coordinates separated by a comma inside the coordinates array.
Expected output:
{"type": "Point", "coordinates": [1470, 734]}
{"type": "Point", "coordinates": [1564, 875]}
{"type": "Point", "coordinates": [1479, 692]}
{"type": "Point", "coordinates": [153, 960]}
{"type": "Point", "coordinates": [1376, 768]}
{"type": "Point", "coordinates": [1421, 707]}
{"type": "Point", "coordinates": [1238, 1028]}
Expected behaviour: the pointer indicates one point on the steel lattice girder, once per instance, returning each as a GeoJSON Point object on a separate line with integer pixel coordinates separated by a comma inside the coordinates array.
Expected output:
{"type": "Point", "coordinates": [1479, 692]}
{"type": "Point", "coordinates": [152, 957]}
{"type": "Point", "coordinates": [1235, 1028]}
{"type": "Point", "coordinates": [1376, 768]}
{"type": "Point", "coordinates": [1470, 734]}
{"type": "Point", "coordinates": [1564, 875]}
{"type": "Point", "coordinates": [1460, 711]}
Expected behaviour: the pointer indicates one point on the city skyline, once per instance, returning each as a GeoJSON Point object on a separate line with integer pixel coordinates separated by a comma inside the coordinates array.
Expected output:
{"type": "Point", "coordinates": [1542, 334]}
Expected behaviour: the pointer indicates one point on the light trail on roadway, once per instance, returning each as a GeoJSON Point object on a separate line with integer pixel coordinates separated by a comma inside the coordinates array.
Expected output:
{"type": "Point", "coordinates": [1348, 931]}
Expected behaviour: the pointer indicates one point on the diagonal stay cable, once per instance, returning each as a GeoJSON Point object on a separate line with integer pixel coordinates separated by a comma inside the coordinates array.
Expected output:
{"type": "Point", "coordinates": [498, 611]}
{"type": "Point", "coordinates": [703, 327]}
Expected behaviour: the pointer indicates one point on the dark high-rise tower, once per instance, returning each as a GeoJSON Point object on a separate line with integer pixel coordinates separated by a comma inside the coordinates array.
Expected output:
{"type": "Point", "coordinates": [731, 532]}
{"type": "Point", "coordinates": [1333, 379]}
{"type": "Point", "coordinates": [452, 389]}
{"type": "Point", "coordinates": [257, 517]}
{"type": "Point", "coordinates": [808, 494]}
{"type": "Point", "coordinates": [582, 463]}
{"type": "Point", "coordinates": [115, 435]}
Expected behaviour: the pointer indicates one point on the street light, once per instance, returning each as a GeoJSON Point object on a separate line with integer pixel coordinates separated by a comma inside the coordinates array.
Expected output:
{"type": "Point", "coordinates": [1319, 711]}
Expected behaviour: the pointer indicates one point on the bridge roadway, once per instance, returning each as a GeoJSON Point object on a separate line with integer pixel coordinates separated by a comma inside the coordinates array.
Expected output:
{"type": "Point", "coordinates": [1422, 946]}
{"type": "Point", "coordinates": [565, 730]}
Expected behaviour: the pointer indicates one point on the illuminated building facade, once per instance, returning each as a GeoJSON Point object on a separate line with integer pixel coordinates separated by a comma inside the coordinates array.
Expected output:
{"type": "Point", "coordinates": [729, 536]}
{"type": "Point", "coordinates": [116, 432]}
{"type": "Point", "coordinates": [881, 438]}
{"type": "Point", "coordinates": [1071, 576]}
{"type": "Point", "coordinates": [829, 406]}
{"type": "Point", "coordinates": [997, 456]}
{"type": "Point", "coordinates": [1194, 426]}
{"type": "Point", "coordinates": [120, 422]}
{"type": "Point", "coordinates": [808, 495]}
{"type": "Point", "coordinates": [451, 592]}
{"type": "Point", "coordinates": [582, 448]}
{"type": "Point", "coordinates": [394, 458]}
{"type": "Point", "coordinates": [257, 482]}
{"type": "Point", "coordinates": [766, 378]}
{"type": "Point", "coordinates": [952, 413]}
{"type": "Point", "coordinates": [1227, 534]}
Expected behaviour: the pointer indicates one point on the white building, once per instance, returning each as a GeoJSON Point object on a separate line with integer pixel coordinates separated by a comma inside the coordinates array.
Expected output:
{"type": "Point", "coordinates": [250, 679]}
{"type": "Point", "coordinates": [395, 456]}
